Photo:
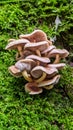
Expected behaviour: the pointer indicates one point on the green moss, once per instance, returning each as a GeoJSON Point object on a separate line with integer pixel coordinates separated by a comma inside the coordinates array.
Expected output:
{"type": "Point", "coordinates": [52, 110]}
{"type": "Point", "coordinates": [66, 81]}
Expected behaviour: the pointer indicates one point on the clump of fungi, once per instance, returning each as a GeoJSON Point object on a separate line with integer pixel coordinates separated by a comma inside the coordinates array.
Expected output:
{"type": "Point", "coordinates": [37, 60]}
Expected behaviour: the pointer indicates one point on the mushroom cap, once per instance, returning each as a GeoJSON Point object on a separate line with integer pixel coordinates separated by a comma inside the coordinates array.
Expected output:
{"type": "Point", "coordinates": [32, 89]}
{"type": "Point", "coordinates": [37, 71]}
{"type": "Point", "coordinates": [34, 46]}
{"type": "Point", "coordinates": [11, 40]}
{"type": "Point", "coordinates": [37, 36]}
{"type": "Point", "coordinates": [57, 66]}
{"type": "Point", "coordinates": [16, 43]}
{"type": "Point", "coordinates": [52, 81]}
{"type": "Point", "coordinates": [14, 71]}
{"type": "Point", "coordinates": [48, 49]}
{"type": "Point", "coordinates": [62, 53]}
{"type": "Point", "coordinates": [25, 64]}
{"type": "Point", "coordinates": [38, 58]}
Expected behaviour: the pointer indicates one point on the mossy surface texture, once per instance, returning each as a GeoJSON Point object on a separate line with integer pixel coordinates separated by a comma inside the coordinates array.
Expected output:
{"type": "Point", "coordinates": [53, 109]}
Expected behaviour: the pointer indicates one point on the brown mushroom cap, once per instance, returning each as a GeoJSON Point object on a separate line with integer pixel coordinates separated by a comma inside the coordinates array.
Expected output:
{"type": "Point", "coordinates": [32, 89]}
{"type": "Point", "coordinates": [38, 70]}
{"type": "Point", "coordinates": [41, 46]}
{"type": "Point", "coordinates": [14, 71]}
{"type": "Point", "coordinates": [58, 66]}
{"type": "Point", "coordinates": [38, 58]}
{"type": "Point", "coordinates": [35, 36]}
{"type": "Point", "coordinates": [62, 53]}
{"type": "Point", "coordinates": [48, 49]}
{"type": "Point", "coordinates": [15, 43]}
{"type": "Point", "coordinates": [25, 64]}
{"type": "Point", "coordinates": [52, 81]}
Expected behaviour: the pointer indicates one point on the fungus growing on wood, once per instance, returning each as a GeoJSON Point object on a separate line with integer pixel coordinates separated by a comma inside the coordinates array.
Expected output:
{"type": "Point", "coordinates": [34, 61]}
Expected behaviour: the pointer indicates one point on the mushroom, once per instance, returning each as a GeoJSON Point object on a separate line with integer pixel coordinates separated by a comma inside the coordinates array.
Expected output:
{"type": "Point", "coordinates": [14, 71]}
{"type": "Point", "coordinates": [58, 53]}
{"type": "Point", "coordinates": [35, 36]}
{"type": "Point", "coordinates": [35, 53]}
{"type": "Point", "coordinates": [37, 71]}
{"type": "Point", "coordinates": [17, 44]}
{"type": "Point", "coordinates": [57, 66]}
{"type": "Point", "coordinates": [47, 83]}
{"type": "Point", "coordinates": [48, 49]}
{"type": "Point", "coordinates": [32, 88]}
{"type": "Point", "coordinates": [42, 60]}
{"type": "Point", "coordinates": [37, 47]}
{"type": "Point", "coordinates": [25, 66]}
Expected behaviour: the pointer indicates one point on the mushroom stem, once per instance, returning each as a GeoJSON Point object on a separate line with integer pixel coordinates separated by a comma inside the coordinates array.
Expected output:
{"type": "Point", "coordinates": [52, 81]}
{"type": "Point", "coordinates": [57, 60]}
{"type": "Point", "coordinates": [18, 57]}
{"type": "Point", "coordinates": [48, 87]}
{"type": "Point", "coordinates": [41, 78]}
{"type": "Point", "coordinates": [26, 76]}
{"type": "Point", "coordinates": [38, 53]}
{"type": "Point", "coordinates": [20, 50]}
{"type": "Point", "coordinates": [49, 42]}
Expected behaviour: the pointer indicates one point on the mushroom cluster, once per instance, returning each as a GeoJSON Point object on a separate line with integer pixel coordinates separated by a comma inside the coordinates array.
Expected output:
{"type": "Point", "coordinates": [37, 60]}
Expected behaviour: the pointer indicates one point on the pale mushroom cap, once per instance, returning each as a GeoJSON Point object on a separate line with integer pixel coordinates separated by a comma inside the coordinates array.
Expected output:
{"type": "Point", "coordinates": [58, 66]}
{"type": "Point", "coordinates": [41, 46]}
{"type": "Point", "coordinates": [32, 89]}
{"type": "Point", "coordinates": [38, 70]}
{"type": "Point", "coordinates": [14, 71]}
{"type": "Point", "coordinates": [38, 58]}
{"type": "Point", "coordinates": [16, 43]}
{"type": "Point", "coordinates": [52, 81]}
{"type": "Point", "coordinates": [37, 36]}
{"type": "Point", "coordinates": [62, 53]}
{"type": "Point", "coordinates": [25, 64]}
{"type": "Point", "coordinates": [48, 49]}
